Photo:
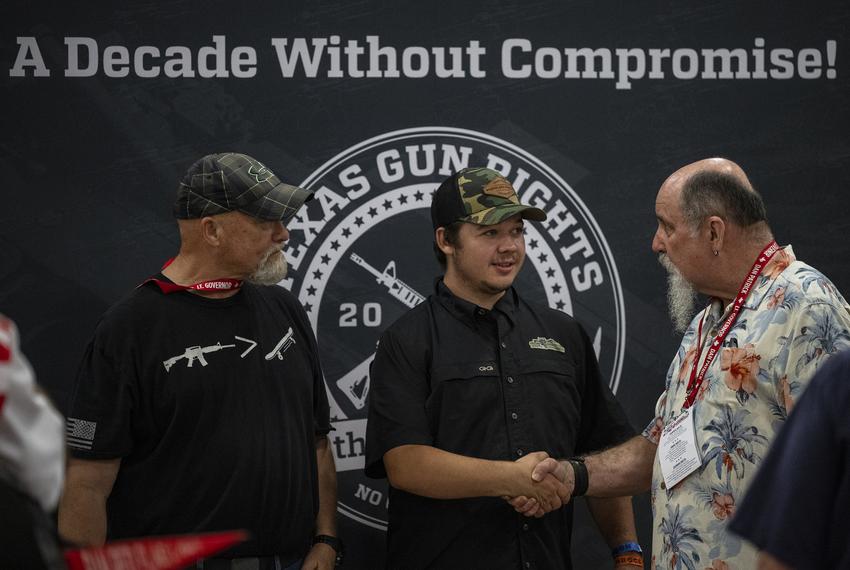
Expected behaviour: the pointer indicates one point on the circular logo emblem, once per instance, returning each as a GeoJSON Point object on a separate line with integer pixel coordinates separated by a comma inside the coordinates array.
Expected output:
{"type": "Point", "coordinates": [361, 255]}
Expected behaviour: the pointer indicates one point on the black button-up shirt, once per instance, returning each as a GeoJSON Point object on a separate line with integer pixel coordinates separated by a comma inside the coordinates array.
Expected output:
{"type": "Point", "coordinates": [493, 384]}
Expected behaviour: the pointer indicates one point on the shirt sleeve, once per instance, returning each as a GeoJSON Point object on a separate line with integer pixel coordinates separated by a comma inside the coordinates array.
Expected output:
{"type": "Point", "coordinates": [295, 313]}
{"type": "Point", "coordinates": [819, 330]}
{"type": "Point", "coordinates": [603, 421]}
{"type": "Point", "coordinates": [321, 408]}
{"type": "Point", "coordinates": [653, 429]}
{"type": "Point", "coordinates": [99, 421]}
{"type": "Point", "coordinates": [397, 396]}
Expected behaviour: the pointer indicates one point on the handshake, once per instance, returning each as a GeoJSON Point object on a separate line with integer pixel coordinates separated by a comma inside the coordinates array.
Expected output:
{"type": "Point", "coordinates": [541, 484]}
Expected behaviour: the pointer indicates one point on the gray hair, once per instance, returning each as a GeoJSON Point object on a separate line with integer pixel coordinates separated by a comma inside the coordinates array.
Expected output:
{"type": "Point", "coordinates": [711, 193]}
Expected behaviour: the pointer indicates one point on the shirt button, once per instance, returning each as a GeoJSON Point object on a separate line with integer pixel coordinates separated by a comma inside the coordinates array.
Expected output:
{"type": "Point", "coordinates": [482, 312]}
{"type": "Point", "coordinates": [528, 564]}
{"type": "Point", "coordinates": [504, 345]}
{"type": "Point", "coordinates": [514, 415]}
{"type": "Point", "coordinates": [510, 379]}
{"type": "Point", "coordinates": [519, 452]}
{"type": "Point", "coordinates": [524, 526]}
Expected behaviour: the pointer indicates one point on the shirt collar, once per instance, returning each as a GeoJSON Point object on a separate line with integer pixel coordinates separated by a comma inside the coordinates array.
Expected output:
{"type": "Point", "coordinates": [466, 310]}
{"type": "Point", "coordinates": [766, 281]}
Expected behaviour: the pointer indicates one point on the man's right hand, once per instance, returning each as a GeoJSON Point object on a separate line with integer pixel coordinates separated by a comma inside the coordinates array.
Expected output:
{"type": "Point", "coordinates": [545, 469]}
{"type": "Point", "coordinates": [541, 489]}
{"type": "Point", "coordinates": [552, 466]}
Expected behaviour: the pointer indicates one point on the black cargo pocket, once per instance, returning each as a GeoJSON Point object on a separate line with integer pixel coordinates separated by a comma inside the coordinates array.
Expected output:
{"type": "Point", "coordinates": [553, 396]}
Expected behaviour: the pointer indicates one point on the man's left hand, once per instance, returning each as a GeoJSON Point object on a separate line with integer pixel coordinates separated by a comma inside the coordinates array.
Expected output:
{"type": "Point", "coordinates": [321, 557]}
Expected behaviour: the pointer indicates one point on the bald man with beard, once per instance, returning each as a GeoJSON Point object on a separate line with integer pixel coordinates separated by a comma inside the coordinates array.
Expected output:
{"type": "Point", "coordinates": [744, 359]}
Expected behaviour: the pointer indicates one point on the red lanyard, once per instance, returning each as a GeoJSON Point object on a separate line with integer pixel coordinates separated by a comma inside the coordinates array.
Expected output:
{"type": "Point", "coordinates": [224, 284]}
{"type": "Point", "coordinates": [696, 379]}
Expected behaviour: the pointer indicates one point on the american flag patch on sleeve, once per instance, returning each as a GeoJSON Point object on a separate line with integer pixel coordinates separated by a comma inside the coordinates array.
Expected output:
{"type": "Point", "coordinates": [79, 433]}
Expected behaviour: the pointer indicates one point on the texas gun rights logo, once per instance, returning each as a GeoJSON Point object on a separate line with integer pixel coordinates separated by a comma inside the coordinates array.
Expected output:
{"type": "Point", "coordinates": [361, 255]}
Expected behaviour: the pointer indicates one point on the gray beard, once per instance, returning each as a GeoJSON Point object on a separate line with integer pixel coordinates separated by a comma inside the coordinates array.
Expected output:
{"type": "Point", "coordinates": [681, 296]}
{"type": "Point", "coordinates": [271, 270]}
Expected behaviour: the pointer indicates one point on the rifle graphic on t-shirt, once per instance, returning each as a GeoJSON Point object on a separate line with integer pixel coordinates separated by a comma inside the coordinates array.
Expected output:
{"type": "Point", "coordinates": [282, 346]}
{"type": "Point", "coordinates": [193, 353]}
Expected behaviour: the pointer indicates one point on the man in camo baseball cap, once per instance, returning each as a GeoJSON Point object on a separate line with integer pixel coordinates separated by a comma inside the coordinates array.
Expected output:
{"type": "Point", "coordinates": [479, 196]}
{"type": "Point", "coordinates": [230, 181]}
{"type": "Point", "coordinates": [460, 404]}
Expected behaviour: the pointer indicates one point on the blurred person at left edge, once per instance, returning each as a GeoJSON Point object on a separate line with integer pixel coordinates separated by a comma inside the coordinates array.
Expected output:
{"type": "Point", "coordinates": [32, 462]}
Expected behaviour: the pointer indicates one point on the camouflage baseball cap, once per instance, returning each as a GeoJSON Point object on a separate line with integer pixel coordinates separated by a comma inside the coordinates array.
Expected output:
{"type": "Point", "coordinates": [479, 196]}
{"type": "Point", "coordinates": [229, 181]}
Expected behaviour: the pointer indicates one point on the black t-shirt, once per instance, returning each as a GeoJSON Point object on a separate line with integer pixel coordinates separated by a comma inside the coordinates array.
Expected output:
{"type": "Point", "coordinates": [213, 406]}
{"type": "Point", "coordinates": [494, 385]}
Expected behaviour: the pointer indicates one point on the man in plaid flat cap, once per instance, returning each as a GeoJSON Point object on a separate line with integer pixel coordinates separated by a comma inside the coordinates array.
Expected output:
{"type": "Point", "coordinates": [200, 404]}
{"type": "Point", "coordinates": [474, 387]}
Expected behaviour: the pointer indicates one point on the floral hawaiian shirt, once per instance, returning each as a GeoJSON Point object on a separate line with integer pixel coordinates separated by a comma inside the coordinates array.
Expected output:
{"type": "Point", "coordinates": [793, 319]}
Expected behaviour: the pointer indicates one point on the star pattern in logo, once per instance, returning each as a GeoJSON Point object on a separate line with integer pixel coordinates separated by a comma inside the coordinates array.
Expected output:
{"type": "Point", "coordinates": [343, 235]}
{"type": "Point", "coordinates": [554, 280]}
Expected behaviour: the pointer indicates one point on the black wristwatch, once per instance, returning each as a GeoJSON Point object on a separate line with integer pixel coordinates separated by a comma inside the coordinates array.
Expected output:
{"type": "Point", "coordinates": [334, 542]}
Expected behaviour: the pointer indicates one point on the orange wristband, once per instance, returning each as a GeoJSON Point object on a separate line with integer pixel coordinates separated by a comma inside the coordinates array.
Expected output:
{"type": "Point", "coordinates": [631, 558]}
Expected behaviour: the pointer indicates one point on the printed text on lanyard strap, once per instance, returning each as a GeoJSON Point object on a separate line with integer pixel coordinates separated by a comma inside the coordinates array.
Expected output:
{"type": "Point", "coordinates": [697, 378]}
{"type": "Point", "coordinates": [224, 284]}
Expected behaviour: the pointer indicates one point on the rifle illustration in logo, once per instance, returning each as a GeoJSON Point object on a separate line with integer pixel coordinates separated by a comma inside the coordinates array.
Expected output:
{"type": "Point", "coordinates": [397, 288]}
{"type": "Point", "coordinates": [355, 383]}
{"type": "Point", "coordinates": [193, 353]}
{"type": "Point", "coordinates": [282, 346]}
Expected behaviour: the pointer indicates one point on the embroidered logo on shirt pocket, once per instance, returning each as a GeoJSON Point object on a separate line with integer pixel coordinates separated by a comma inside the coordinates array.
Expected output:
{"type": "Point", "coordinates": [542, 343]}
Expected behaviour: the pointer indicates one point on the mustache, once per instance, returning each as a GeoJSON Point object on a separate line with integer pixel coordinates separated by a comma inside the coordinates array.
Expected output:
{"type": "Point", "coordinates": [271, 252]}
{"type": "Point", "coordinates": [270, 270]}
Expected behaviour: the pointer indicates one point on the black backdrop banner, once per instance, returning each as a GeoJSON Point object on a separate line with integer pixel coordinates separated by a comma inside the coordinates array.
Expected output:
{"type": "Point", "coordinates": [585, 106]}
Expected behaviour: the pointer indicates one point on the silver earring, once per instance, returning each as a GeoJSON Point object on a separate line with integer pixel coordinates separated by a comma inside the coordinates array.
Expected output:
{"type": "Point", "coordinates": [716, 253]}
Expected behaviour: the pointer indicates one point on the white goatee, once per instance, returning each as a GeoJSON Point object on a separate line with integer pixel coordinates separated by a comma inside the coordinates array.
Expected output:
{"type": "Point", "coordinates": [681, 296]}
{"type": "Point", "coordinates": [271, 269]}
